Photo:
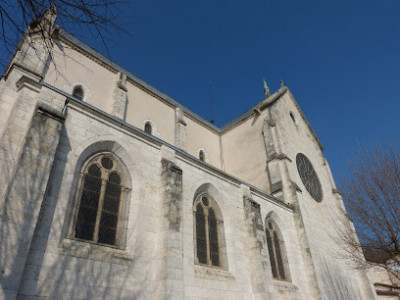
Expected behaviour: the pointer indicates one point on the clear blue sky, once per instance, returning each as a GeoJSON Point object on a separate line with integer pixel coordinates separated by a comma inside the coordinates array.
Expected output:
{"type": "Point", "coordinates": [341, 60]}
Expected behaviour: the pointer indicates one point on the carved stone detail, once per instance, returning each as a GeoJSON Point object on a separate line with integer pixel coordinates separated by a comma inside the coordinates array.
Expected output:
{"type": "Point", "coordinates": [120, 97]}
{"type": "Point", "coordinates": [180, 129]}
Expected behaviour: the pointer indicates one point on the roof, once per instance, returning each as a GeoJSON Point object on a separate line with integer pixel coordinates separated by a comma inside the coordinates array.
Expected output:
{"type": "Point", "coordinates": [247, 114]}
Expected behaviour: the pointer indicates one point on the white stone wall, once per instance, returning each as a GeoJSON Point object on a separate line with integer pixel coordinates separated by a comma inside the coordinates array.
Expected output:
{"type": "Point", "coordinates": [337, 278]}
{"type": "Point", "coordinates": [61, 267]}
{"type": "Point", "coordinates": [66, 268]}
{"type": "Point", "coordinates": [99, 81]}
{"type": "Point", "coordinates": [244, 152]}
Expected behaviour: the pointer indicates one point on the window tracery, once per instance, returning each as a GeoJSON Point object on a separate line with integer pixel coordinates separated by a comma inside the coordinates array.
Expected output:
{"type": "Point", "coordinates": [100, 197]}
{"type": "Point", "coordinates": [276, 251]}
{"type": "Point", "coordinates": [208, 246]}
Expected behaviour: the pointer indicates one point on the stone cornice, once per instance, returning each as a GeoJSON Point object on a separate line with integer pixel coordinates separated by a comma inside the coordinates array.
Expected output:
{"type": "Point", "coordinates": [28, 82]}
{"type": "Point", "coordinates": [278, 156]}
{"type": "Point", "coordinates": [17, 66]}
{"type": "Point", "coordinates": [92, 54]}
{"type": "Point", "coordinates": [307, 123]}
{"type": "Point", "coordinates": [91, 110]}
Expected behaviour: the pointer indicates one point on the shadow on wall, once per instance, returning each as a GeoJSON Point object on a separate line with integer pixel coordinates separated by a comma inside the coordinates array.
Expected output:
{"type": "Point", "coordinates": [29, 211]}
{"type": "Point", "coordinates": [336, 284]}
{"type": "Point", "coordinates": [24, 196]}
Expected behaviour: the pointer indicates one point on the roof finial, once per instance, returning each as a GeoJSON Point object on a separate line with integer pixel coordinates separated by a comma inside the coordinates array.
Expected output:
{"type": "Point", "coordinates": [282, 84]}
{"type": "Point", "coordinates": [266, 89]}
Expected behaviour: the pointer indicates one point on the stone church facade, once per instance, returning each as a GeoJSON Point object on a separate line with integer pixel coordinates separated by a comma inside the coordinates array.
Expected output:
{"type": "Point", "coordinates": [110, 189]}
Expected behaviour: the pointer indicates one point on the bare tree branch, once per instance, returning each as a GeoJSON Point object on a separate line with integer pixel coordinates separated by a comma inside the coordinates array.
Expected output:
{"type": "Point", "coordinates": [372, 197]}
{"type": "Point", "coordinates": [98, 17]}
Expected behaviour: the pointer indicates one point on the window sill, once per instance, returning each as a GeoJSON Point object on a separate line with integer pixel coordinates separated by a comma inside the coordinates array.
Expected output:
{"type": "Point", "coordinates": [212, 273]}
{"type": "Point", "coordinates": [285, 285]}
{"type": "Point", "coordinates": [93, 251]}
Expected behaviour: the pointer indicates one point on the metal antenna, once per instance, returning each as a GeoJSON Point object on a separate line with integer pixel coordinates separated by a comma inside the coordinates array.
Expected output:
{"type": "Point", "coordinates": [211, 104]}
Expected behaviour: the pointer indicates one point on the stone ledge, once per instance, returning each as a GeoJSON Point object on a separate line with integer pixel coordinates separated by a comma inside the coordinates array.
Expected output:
{"type": "Point", "coordinates": [93, 251]}
{"type": "Point", "coordinates": [50, 112]}
{"type": "Point", "coordinates": [276, 187]}
{"type": "Point", "coordinates": [285, 285]}
{"type": "Point", "coordinates": [16, 65]}
{"type": "Point", "coordinates": [27, 82]}
{"type": "Point", "coordinates": [278, 156]}
{"type": "Point", "coordinates": [295, 187]}
{"type": "Point", "coordinates": [212, 273]}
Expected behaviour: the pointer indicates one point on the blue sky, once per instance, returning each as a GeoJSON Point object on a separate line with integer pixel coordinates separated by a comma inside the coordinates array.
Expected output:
{"type": "Point", "coordinates": [339, 58]}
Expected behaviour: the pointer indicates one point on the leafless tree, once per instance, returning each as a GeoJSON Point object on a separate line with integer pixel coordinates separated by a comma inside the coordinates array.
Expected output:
{"type": "Point", "coordinates": [372, 197]}
{"type": "Point", "coordinates": [20, 18]}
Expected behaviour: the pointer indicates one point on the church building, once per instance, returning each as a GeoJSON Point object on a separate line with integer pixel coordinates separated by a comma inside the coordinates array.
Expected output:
{"type": "Point", "coordinates": [111, 189]}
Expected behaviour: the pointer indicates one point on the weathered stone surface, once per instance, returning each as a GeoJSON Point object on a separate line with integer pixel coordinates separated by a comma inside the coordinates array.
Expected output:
{"type": "Point", "coordinates": [24, 197]}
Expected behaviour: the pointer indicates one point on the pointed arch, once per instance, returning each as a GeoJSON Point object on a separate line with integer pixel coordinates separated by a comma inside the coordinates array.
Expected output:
{"type": "Point", "coordinates": [276, 248]}
{"type": "Point", "coordinates": [208, 226]}
{"type": "Point", "coordinates": [100, 201]}
{"type": "Point", "coordinates": [101, 197]}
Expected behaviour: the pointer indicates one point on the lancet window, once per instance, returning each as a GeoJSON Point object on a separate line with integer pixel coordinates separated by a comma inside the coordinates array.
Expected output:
{"type": "Point", "coordinates": [207, 226]}
{"type": "Point", "coordinates": [276, 250]}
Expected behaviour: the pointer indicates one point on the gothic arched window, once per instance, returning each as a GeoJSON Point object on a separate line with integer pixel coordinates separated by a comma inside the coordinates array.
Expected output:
{"type": "Point", "coordinates": [78, 92]}
{"type": "Point", "coordinates": [276, 250]}
{"type": "Point", "coordinates": [100, 200]}
{"type": "Point", "coordinates": [208, 236]}
{"type": "Point", "coordinates": [148, 128]}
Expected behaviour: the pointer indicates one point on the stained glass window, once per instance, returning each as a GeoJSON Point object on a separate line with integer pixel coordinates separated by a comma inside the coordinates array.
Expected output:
{"type": "Point", "coordinates": [207, 236]}
{"type": "Point", "coordinates": [309, 177]}
{"type": "Point", "coordinates": [100, 201]}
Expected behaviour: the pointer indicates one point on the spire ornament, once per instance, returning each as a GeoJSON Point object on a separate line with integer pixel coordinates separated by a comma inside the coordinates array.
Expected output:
{"type": "Point", "coordinates": [266, 89]}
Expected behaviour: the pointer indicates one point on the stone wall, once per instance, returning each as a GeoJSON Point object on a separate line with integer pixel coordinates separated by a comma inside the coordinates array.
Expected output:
{"type": "Point", "coordinates": [320, 222]}
{"type": "Point", "coordinates": [22, 209]}
{"type": "Point", "coordinates": [158, 259]}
